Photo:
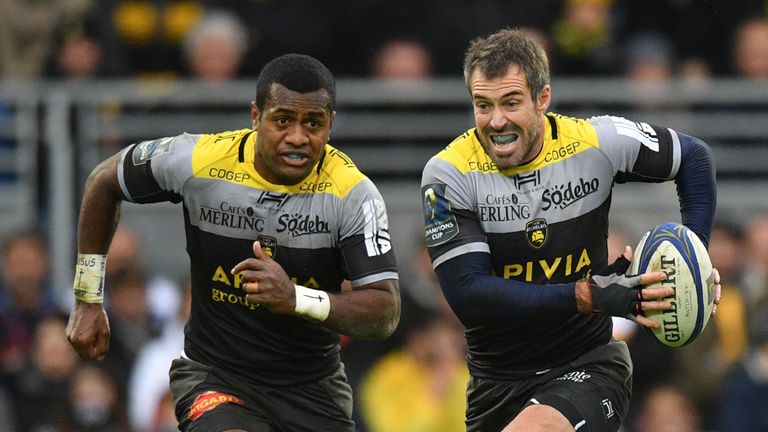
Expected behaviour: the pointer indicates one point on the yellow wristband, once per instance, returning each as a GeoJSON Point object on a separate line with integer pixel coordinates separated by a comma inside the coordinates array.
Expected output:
{"type": "Point", "coordinates": [89, 278]}
{"type": "Point", "coordinates": [312, 303]}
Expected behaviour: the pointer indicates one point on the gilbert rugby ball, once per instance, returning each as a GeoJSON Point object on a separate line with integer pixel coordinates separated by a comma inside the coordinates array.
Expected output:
{"type": "Point", "coordinates": [674, 249]}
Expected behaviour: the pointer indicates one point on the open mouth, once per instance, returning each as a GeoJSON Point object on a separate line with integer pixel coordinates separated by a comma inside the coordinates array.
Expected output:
{"type": "Point", "coordinates": [504, 140]}
{"type": "Point", "coordinates": [295, 159]}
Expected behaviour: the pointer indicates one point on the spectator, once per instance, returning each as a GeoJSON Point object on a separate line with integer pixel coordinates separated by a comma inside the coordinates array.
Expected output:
{"type": "Point", "coordinates": [214, 50]}
{"type": "Point", "coordinates": [25, 296]}
{"type": "Point", "coordinates": [750, 50]}
{"type": "Point", "coordinates": [421, 387]}
{"type": "Point", "coordinates": [42, 386]}
{"type": "Point", "coordinates": [727, 253]}
{"type": "Point", "coordinates": [743, 407]}
{"type": "Point", "coordinates": [78, 58]}
{"type": "Point", "coordinates": [541, 38]}
{"type": "Point", "coordinates": [28, 31]}
{"type": "Point", "coordinates": [723, 342]}
{"type": "Point", "coordinates": [93, 403]}
{"type": "Point", "coordinates": [650, 59]}
{"type": "Point", "coordinates": [126, 253]}
{"type": "Point", "coordinates": [165, 417]}
{"type": "Point", "coordinates": [25, 274]}
{"type": "Point", "coordinates": [402, 59]}
{"type": "Point", "coordinates": [668, 409]}
{"type": "Point", "coordinates": [756, 263]}
{"type": "Point", "coordinates": [149, 377]}
{"type": "Point", "coordinates": [129, 321]}
{"type": "Point", "coordinates": [583, 39]}
{"type": "Point", "coordinates": [694, 71]}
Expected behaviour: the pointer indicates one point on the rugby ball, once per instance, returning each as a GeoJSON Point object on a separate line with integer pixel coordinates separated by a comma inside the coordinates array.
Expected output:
{"type": "Point", "coordinates": [674, 249]}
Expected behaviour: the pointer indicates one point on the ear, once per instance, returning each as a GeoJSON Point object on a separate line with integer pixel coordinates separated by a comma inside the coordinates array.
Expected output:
{"type": "Point", "coordinates": [544, 99]}
{"type": "Point", "coordinates": [255, 116]}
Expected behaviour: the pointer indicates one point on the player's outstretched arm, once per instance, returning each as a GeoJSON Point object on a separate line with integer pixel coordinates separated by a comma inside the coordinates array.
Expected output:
{"type": "Point", "coordinates": [370, 311]}
{"type": "Point", "coordinates": [88, 328]}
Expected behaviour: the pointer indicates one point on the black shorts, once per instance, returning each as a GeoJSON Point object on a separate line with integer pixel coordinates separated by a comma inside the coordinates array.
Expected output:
{"type": "Point", "coordinates": [592, 391]}
{"type": "Point", "coordinates": [209, 399]}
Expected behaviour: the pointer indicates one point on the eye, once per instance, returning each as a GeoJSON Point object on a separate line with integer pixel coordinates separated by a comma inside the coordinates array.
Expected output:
{"type": "Point", "coordinates": [282, 121]}
{"type": "Point", "coordinates": [313, 124]}
{"type": "Point", "coordinates": [482, 106]}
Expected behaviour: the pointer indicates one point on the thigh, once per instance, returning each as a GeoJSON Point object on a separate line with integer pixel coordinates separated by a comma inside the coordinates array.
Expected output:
{"type": "Point", "coordinates": [593, 394]}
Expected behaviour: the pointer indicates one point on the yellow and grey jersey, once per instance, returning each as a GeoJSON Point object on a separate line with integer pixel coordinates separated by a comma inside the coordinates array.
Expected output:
{"type": "Point", "coordinates": [543, 222]}
{"type": "Point", "coordinates": [329, 227]}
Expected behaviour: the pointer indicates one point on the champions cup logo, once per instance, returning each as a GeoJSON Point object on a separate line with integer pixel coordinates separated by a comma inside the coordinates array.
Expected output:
{"type": "Point", "coordinates": [430, 204]}
{"type": "Point", "coordinates": [536, 232]}
{"type": "Point", "coordinates": [440, 224]}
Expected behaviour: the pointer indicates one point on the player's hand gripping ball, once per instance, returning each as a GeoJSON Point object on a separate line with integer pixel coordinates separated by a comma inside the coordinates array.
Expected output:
{"type": "Point", "coordinates": [674, 249]}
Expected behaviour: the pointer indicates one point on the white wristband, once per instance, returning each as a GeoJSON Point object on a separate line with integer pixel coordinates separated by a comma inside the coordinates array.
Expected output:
{"type": "Point", "coordinates": [89, 278]}
{"type": "Point", "coordinates": [312, 303]}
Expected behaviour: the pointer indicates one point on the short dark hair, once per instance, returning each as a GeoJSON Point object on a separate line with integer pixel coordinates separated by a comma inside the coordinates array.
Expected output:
{"type": "Point", "coordinates": [492, 56]}
{"type": "Point", "coordinates": [297, 72]}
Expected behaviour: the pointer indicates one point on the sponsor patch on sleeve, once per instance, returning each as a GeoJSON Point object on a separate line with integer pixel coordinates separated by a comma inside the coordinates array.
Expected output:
{"type": "Point", "coordinates": [440, 223]}
{"type": "Point", "coordinates": [146, 150]}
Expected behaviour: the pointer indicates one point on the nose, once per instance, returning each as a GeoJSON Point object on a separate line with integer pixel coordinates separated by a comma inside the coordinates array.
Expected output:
{"type": "Point", "coordinates": [297, 136]}
{"type": "Point", "coordinates": [498, 119]}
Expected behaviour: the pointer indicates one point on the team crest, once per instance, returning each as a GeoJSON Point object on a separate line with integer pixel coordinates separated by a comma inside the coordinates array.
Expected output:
{"type": "Point", "coordinates": [268, 245]}
{"type": "Point", "coordinates": [536, 231]}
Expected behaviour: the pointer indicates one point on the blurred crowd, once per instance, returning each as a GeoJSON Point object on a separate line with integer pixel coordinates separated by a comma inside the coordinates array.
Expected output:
{"type": "Point", "coordinates": [80, 39]}
{"type": "Point", "coordinates": [416, 380]}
